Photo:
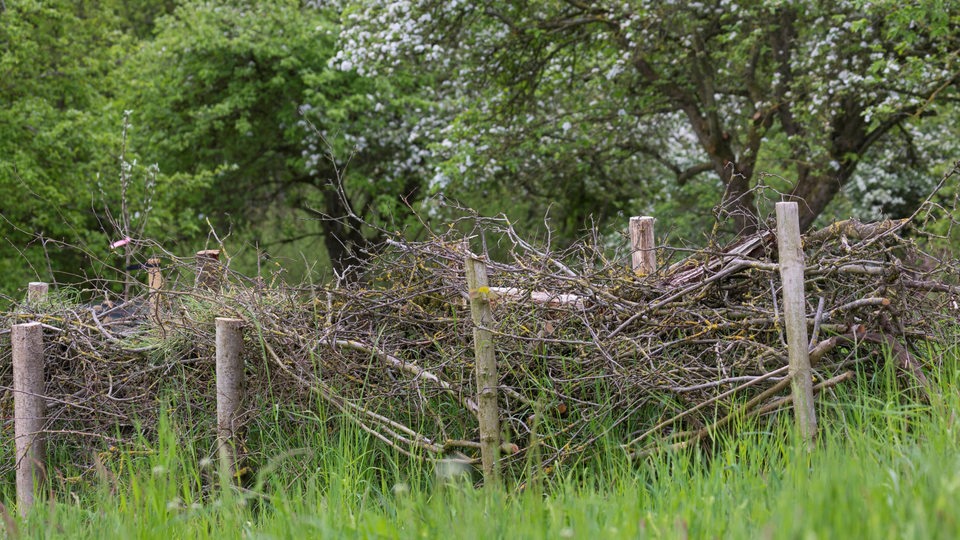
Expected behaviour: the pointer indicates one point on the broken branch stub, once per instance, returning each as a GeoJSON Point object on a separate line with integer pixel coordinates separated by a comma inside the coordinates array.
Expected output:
{"type": "Point", "coordinates": [209, 269]}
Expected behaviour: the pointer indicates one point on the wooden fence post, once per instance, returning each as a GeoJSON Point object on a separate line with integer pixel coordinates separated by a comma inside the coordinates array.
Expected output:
{"type": "Point", "coordinates": [154, 283]}
{"type": "Point", "coordinates": [36, 292]}
{"type": "Point", "coordinates": [642, 247]}
{"type": "Point", "coordinates": [229, 339]}
{"type": "Point", "coordinates": [486, 367]}
{"type": "Point", "coordinates": [29, 409]}
{"type": "Point", "coordinates": [208, 269]}
{"type": "Point", "coordinates": [794, 309]}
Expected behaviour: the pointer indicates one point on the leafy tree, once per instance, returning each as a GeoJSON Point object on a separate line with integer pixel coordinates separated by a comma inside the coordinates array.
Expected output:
{"type": "Point", "coordinates": [598, 103]}
{"type": "Point", "coordinates": [242, 93]}
{"type": "Point", "coordinates": [138, 17]}
{"type": "Point", "coordinates": [57, 132]}
{"type": "Point", "coordinates": [66, 171]}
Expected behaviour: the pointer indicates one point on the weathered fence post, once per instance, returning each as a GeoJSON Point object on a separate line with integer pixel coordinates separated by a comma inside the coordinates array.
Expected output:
{"type": "Point", "coordinates": [154, 283]}
{"type": "Point", "coordinates": [28, 409]}
{"type": "Point", "coordinates": [208, 269]}
{"type": "Point", "coordinates": [642, 245]}
{"type": "Point", "coordinates": [36, 292]}
{"type": "Point", "coordinates": [229, 341]}
{"type": "Point", "coordinates": [794, 308]}
{"type": "Point", "coordinates": [486, 365]}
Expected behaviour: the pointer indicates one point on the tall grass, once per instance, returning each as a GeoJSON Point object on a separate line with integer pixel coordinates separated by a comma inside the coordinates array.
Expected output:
{"type": "Point", "coordinates": [886, 466]}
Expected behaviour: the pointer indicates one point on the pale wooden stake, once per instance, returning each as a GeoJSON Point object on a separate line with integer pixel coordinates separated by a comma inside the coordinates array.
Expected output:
{"type": "Point", "coordinates": [29, 409]}
{"type": "Point", "coordinates": [155, 283]}
{"type": "Point", "coordinates": [229, 339]}
{"type": "Point", "coordinates": [36, 292]}
{"type": "Point", "coordinates": [208, 269]}
{"type": "Point", "coordinates": [642, 245]}
{"type": "Point", "coordinates": [794, 310]}
{"type": "Point", "coordinates": [486, 366]}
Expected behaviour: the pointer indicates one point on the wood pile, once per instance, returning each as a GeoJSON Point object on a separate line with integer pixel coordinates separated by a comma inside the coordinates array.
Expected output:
{"type": "Point", "coordinates": [586, 349]}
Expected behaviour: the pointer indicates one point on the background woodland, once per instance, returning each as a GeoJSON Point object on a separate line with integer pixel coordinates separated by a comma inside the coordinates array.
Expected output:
{"type": "Point", "coordinates": [297, 134]}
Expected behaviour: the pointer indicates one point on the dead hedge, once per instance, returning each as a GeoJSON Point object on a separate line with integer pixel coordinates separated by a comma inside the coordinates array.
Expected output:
{"type": "Point", "coordinates": [657, 361]}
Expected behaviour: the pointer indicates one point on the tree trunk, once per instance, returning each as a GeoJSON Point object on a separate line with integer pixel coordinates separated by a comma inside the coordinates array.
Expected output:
{"type": "Point", "coordinates": [813, 196]}
{"type": "Point", "coordinates": [849, 140]}
{"type": "Point", "coordinates": [738, 200]}
{"type": "Point", "coordinates": [342, 236]}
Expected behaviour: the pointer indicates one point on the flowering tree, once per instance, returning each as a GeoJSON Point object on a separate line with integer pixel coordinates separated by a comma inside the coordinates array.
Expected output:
{"type": "Point", "coordinates": [579, 96]}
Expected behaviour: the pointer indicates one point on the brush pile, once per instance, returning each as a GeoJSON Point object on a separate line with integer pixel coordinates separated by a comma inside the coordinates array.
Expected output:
{"type": "Point", "coordinates": [585, 347]}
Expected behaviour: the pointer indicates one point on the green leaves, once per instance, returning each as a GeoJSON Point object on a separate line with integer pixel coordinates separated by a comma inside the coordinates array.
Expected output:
{"type": "Point", "coordinates": [596, 106]}
{"type": "Point", "coordinates": [58, 131]}
{"type": "Point", "coordinates": [251, 96]}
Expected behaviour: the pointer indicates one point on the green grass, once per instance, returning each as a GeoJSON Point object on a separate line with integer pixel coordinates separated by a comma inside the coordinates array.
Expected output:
{"type": "Point", "coordinates": [886, 466]}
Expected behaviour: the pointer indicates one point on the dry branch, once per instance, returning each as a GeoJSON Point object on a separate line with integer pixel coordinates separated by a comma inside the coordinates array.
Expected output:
{"type": "Point", "coordinates": [662, 360]}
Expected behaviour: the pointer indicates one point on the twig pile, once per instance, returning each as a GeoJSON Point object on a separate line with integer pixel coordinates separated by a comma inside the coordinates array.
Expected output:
{"type": "Point", "coordinates": [585, 347]}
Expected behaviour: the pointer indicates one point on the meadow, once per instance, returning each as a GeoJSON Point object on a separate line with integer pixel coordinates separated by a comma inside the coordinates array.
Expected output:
{"type": "Point", "coordinates": [886, 466]}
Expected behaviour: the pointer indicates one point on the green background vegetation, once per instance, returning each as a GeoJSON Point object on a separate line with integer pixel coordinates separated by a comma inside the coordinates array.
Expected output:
{"type": "Point", "coordinates": [297, 133]}
{"type": "Point", "coordinates": [298, 130]}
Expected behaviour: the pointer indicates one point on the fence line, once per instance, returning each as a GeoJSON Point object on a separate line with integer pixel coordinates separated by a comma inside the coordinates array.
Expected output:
{"type": "Point", "coordinates": [27, 342]}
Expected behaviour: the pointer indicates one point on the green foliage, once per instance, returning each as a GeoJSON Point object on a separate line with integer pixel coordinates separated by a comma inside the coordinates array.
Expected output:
{"type": "Point", "coordinates": [65, 157]}
{"type": "Point", "coordinates": [243, 93]}
{"type": "Point", "coordinates": [286, 125]}
{"type": "Point", "coordinates": [58, 130]}
{"type": "Point", "coordinates": [629, 101]}
{"type": "Point", "coordinates": [233, 115]}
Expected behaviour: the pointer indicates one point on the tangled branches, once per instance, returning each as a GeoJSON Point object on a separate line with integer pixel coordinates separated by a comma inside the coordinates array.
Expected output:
{"type": "Point", "coordinates": [585, 347]}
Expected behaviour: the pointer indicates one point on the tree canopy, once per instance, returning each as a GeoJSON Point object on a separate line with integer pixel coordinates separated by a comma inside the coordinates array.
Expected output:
{"type": "Point", "coordinates": [318, 127]}
{"type": "Point", "coordinates": [241, 93]}
{"type": "Point", "coordinates": [614, 95]}
{"type": "Point", "coordinates": [58, 129]}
